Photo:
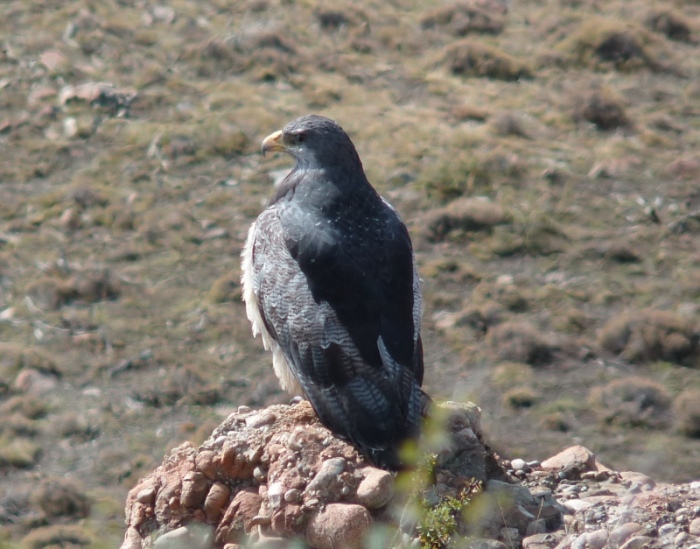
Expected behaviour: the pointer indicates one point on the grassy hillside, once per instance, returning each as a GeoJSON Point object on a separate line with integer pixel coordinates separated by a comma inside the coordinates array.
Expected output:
{"type": "Point", "coordinates": [545, 158]}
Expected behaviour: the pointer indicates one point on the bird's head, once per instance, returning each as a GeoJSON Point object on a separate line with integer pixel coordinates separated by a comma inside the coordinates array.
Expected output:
{"type": "Point", "coordinates": [314, 142]}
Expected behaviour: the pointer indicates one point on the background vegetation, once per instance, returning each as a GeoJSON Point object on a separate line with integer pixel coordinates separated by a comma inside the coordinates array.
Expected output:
{"type": "Point", "coordinates": [545, 158]}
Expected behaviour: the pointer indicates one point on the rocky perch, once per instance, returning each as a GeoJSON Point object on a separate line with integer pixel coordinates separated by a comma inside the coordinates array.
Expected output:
{"type": "Point", "coordinates": [267, 476]}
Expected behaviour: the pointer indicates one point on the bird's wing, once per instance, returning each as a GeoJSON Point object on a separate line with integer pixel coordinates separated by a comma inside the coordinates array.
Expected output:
{"type": "Point", "coordinates": [350, 334]}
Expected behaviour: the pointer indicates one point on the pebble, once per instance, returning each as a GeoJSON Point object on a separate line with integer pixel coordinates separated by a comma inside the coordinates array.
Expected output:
{"type": "Point", "coordinates": [275, 492]}
{"type": "Point", "coordinates": [541, 474]}
{"type": "Point", "coordinates": [329, 472]}
{"type": "Point", "coordinates": [518, 464]}
{"type": "Point", "coordinates": [637, 542]}
{"type": "Point", "coordinates": [510, 536]}
{"type": "Point", "coordinates": [623, 532]}
{"type": "Point", "coordinates": [376, 488]}
{"type": "Point", "coordinates": [338, 525]}
{"type": "Point", "coordinates": [681, 515]}
{"type": "Point", "coordinates": [540, 541]}
{"type": "Point", "coordinates": [260, 420]}
{"type": "Point", "coordinates": [216, 499]}
{"type": "Point", "coordinates": [694, 527]}
{"type": "Point", "coordinates": [640, 480]}
{"type": "Point", "coordinates": [259, 474]}
{"type": "Point", "coordinates": [577, 505]}
{"type": "Point", "coordinates": [191, 536]}
{"type": "Point", "coordinates": [596, 539]}
{"type": "Point", "coordinates": [147, 495]}
{"type": "Point", "coordinates": [577, 457]}
{"type": "Point", "coordinates": [538, 526]}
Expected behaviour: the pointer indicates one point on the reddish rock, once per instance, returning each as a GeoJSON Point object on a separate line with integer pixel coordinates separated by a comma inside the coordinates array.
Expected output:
{"type": "Point", "coordinates": [574, 457]}
{"type": "Point", "coordinates": [215, 501]}
{"type": "Point", "coordinates": [376, 488]}
{"type": "Point", "coordinates": [339, 525]}
{"type": "Point", "coordinates": [239, 516]}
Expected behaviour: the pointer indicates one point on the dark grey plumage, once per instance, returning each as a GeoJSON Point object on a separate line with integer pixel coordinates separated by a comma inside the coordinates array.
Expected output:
{"type": "Point", "coordinates": [330, 283]}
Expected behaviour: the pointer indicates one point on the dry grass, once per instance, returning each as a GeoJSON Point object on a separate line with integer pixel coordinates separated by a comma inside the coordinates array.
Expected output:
{"type": "Point", "coordinates": [520, 342]}
{"type": "Point", "coordinates": [686, 407]}
{"type": "Point", "coordinates": [471, 58]}
{"type": "Point", "coordinates": [463, 215]}
{"type": "Point", "coordinates": [604, 110]}
{"type": "Point", "coordinates": [542, 158]}
{"type": "Point", "coordinates": [652, 335]}
{"type": "Point", "coordinates": [623, 45]}
{"type": "Point", "coordinates": [633, 402]}
{"type": "Point", "coordinates": [461, 18]}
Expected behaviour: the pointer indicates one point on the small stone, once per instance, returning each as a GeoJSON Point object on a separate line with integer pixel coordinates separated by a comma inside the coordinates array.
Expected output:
{"type": "Point", "coordinates": [243, 409]}
{"type": "Point", "coordinates": [292, 495]}
{"type": "Point", "coordinates": [194, 489]}
{"type": "Point", "coordinates": [259, 474]}
{"type": "Point", "coordinates": [132, 539]}
{"type": "Point", "coordinates": [518, 464]}
{"type": "Point", "coordinates": [260, 420]}
{"type": "Point", "coordinates": [215, 501]}
{"type": "Point", "coordinates": [261, 520]}
{"type": "Point", "coordinates": [146, 495]}
{"type": "Point", "coordinates": [681, 515]}
{"type": "Point", "coordinates": [538, 526]}
{"type": "Point", "coordinates": [573, 457]}
{"type": "Point", "coordinates": [694, 527]}
{"type": "Point", "coordinates": [541, 541]}
{"type": "Point", "coordinates": [577, 505]}
{"type": "Point", "coordinates": [190, 537]}
{"type": "Point", "coordinates": [275, 493]}
{"type": "Point", "coordinates": [311, 503]}
{"type": "Point", "coordinates": [541, 474]}
{"type": "Point", "coordinates": [680, 539]}
{"type": "Point", "coordinates": [376, 488]}
{"type": "Point", "coordinates": [327, 477]}
{"type": "Point", "coordinates": [601, 476]}
{"type": "Point", "coordinates": [623, 532]}
{"type": "Point", "coordinates": [339, 525]}
{"type": "Point", "coordinates": [462, 415]}
{"type": "Point", "coordinates": [207, 463]}
{"type": "Point", "coordinates": [596, 539]}
{"type": "Point", "coordinates": [510, 536]}
{"type": "Point", "coordinates": [637, 542]}
{"type": "Point", "coordinates": [630, 478]}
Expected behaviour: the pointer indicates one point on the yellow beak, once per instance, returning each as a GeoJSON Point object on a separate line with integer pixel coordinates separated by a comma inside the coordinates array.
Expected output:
{"type": "Point", "coordinates": [273, 143]}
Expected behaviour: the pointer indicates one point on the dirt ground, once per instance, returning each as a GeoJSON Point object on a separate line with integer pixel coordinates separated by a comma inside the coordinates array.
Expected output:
{"type": "Point", "coordinates": [544, 155]}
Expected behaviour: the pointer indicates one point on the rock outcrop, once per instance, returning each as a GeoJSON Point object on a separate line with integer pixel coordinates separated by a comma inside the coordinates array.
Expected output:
{"type": "Point", "coordinates": [277, 474]}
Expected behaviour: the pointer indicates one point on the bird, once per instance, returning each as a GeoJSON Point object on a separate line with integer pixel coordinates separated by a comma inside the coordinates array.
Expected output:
{"type": "Point", "coordinates": [330, 282]}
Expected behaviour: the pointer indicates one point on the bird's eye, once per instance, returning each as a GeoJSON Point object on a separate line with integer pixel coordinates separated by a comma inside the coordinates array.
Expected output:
{"type": "Point", "coordinates": [300, 137]}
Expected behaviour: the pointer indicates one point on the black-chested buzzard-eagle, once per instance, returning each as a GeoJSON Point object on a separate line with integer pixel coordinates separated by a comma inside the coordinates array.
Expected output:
{"type": "Point", "coordinates": [330, 282]}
